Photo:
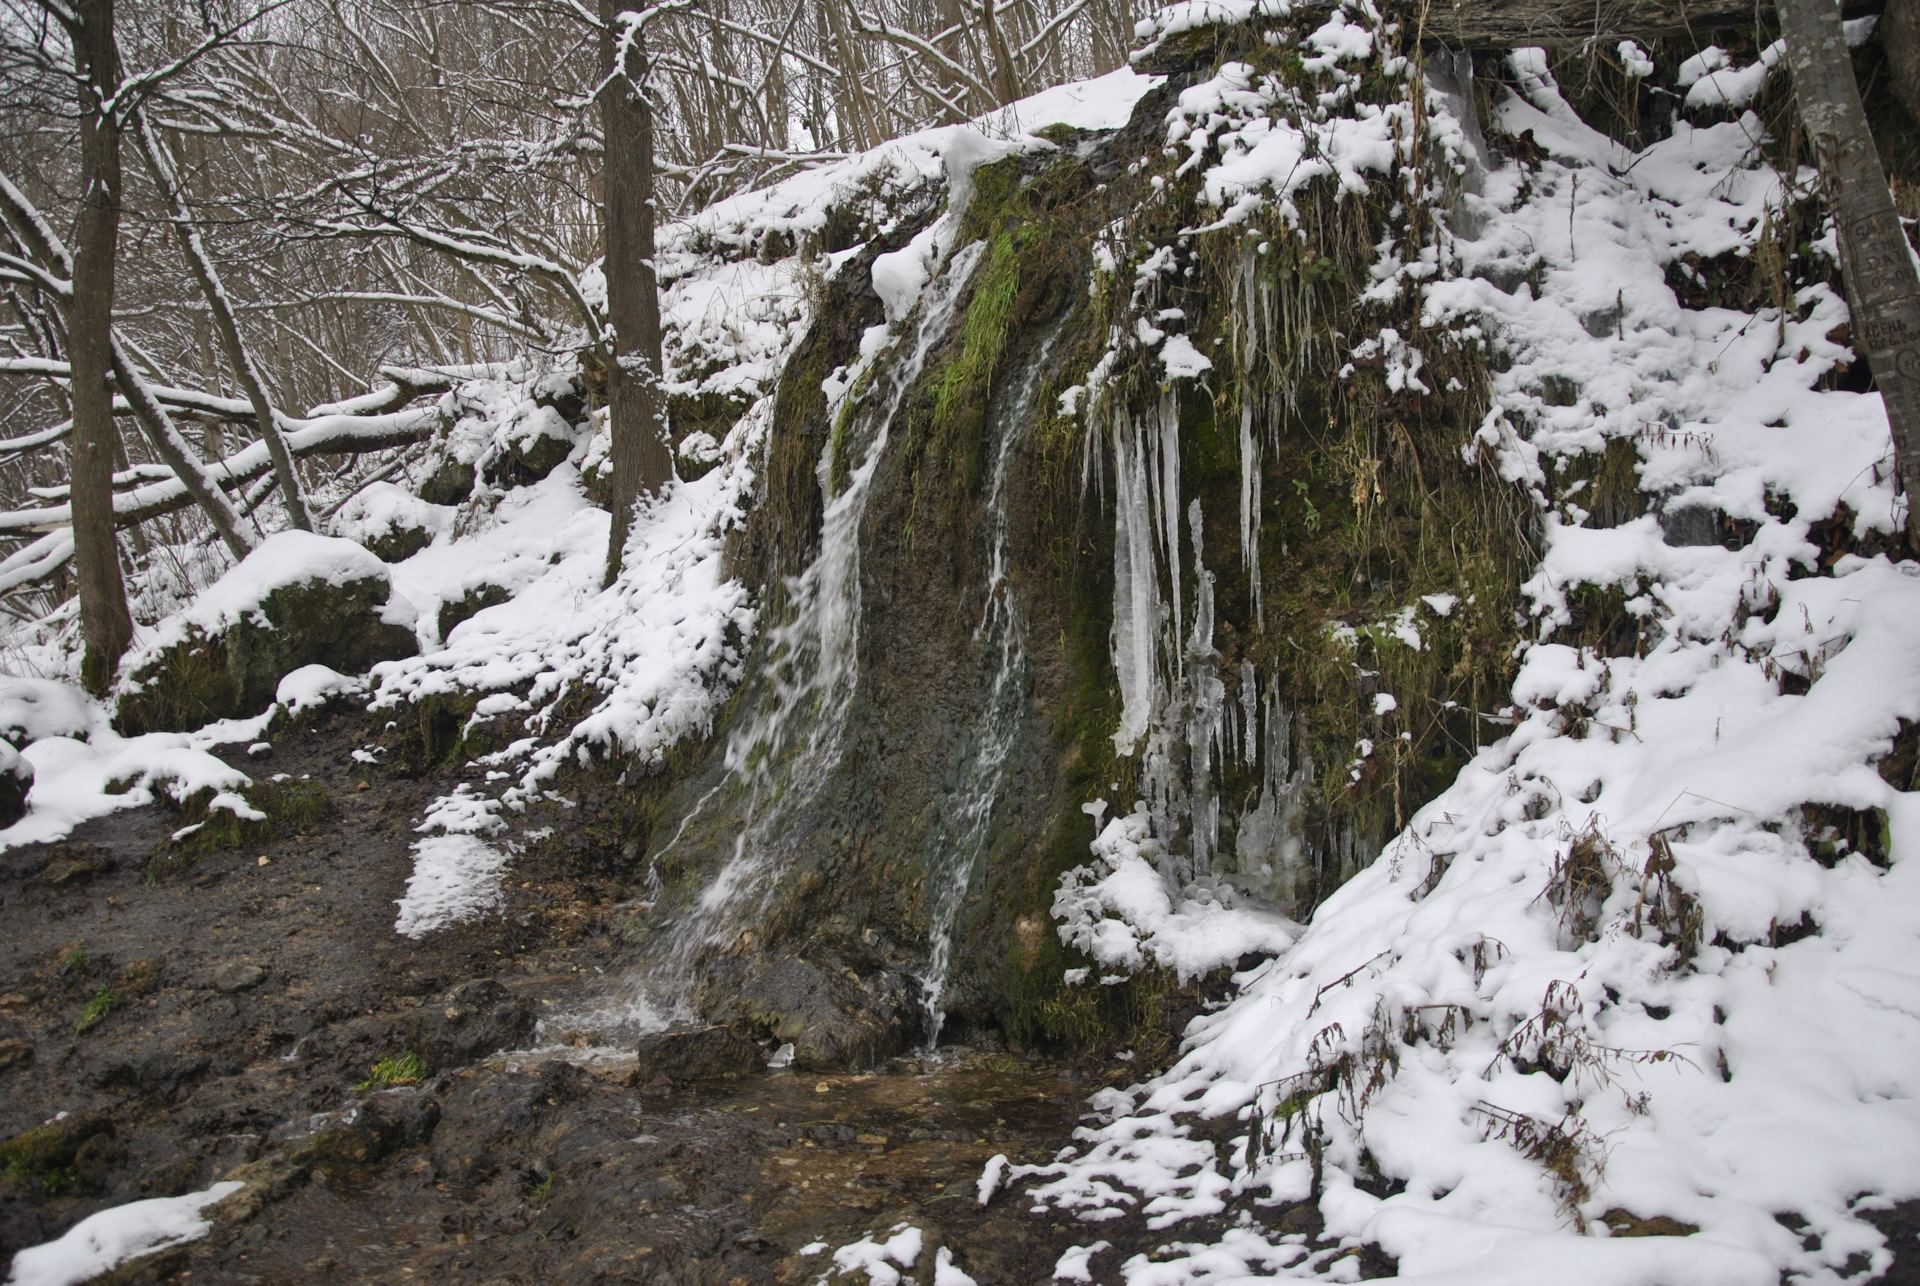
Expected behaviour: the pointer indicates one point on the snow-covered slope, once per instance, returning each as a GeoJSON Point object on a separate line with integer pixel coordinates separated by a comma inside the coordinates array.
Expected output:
{"type": "Point", "coordinates": [1648, 959]}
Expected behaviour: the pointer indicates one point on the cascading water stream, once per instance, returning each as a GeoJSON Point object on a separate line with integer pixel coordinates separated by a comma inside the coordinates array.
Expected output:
{"type": "Point", "coordinates": [790, 743]}
{"type": "Point", "coordinates": [967, 820]}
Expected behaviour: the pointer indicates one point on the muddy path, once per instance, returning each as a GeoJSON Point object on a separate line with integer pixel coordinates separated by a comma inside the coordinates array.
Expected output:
{"type": "Point", "coordinates": [221, 1017]}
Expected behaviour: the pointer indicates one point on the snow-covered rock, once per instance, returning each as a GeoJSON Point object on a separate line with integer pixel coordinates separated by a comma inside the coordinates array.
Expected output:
{"type": "Point", "coordinates": [299, 599]}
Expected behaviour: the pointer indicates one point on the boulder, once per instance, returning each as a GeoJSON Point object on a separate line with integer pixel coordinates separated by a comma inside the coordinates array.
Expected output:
{"type": "Point", "coordinates": [478, 598]}
{"type": "Point", "coordinates": [238, 975]}
{"type": "Point", "coordinates": [696, 1054]}
{"type": "Point", "coordinates": [391, 521]}
{"type": "Point", "coordinates": [50, 1146]}
{"type": "Point", "coordinates": [535, 441]}
{"type": "Point", "coordinates": [297, 600]}
{"type": "Point", "coordinates": [833, 1019]}
{"type": "Point", "coordinates": [473, 1020]}
{"type": "Point", "coordinates": [16, 779]}
{"type": "Point", "coordinates": [448, 484]}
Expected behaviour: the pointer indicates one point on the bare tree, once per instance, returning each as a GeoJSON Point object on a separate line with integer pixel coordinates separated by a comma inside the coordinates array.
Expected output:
{"type": "Point", "coordinates": [636, 411]}
{"type": "Point", "coordinates": [105, 622]}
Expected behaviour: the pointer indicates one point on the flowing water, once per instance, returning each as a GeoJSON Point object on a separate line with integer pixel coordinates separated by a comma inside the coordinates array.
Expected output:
{"type": "Point", "coordinates": [963, 838]}
{"type": "Point", "coordinates": [791, 741]}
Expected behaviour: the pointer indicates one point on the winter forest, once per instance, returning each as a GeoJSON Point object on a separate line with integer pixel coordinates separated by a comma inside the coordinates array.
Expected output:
{"type": "Point", "coordinates": [959, 642]}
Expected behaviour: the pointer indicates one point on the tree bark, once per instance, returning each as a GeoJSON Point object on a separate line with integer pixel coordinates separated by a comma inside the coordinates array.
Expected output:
{"type": "Point", "coordinates": [105, 624]}
{"type": "Point", "coordinates": [1899, 34]}
{"type": "Point", "coordinates": [636, 405]}
{"type": "Point", "coordinates": [252, 383]}
{"type": "Point", "coordinates": [1882, 286]}
{"type": "Point", "coordinates": [1005, 81]}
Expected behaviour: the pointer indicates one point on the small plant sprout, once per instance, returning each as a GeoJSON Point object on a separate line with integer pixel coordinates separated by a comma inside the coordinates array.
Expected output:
{"type": "Point", "coordinates": [404, 1068]}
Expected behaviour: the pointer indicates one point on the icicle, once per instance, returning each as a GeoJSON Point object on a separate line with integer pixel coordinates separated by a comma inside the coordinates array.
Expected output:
{"type": "Point", "coordinates": [1249, 712]}
{"type": "Point", "coordinates": [1136, 589]}
{"type": "Point", "coordinates": [1169, 474]}
{"type": "Point", "coordinates": [1250, 507]}
{"type": "Point", "coordinates": [1206, 703]}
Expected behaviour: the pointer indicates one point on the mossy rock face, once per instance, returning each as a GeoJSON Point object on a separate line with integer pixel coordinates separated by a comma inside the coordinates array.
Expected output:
{"type": "Point", "coordinates": [449, 484]}
{"type": "Point", "coordinates": [475, 600]}
{"type": "Point", "coordinates": [233, 675]}
{"type": "Point", "coordinates": [399, 543]}
{"type": "Point", "coordinates": [50, 1146]}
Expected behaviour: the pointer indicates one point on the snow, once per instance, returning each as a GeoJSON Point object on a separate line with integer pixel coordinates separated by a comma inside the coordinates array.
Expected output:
{"type": "Point", "coordinates": [1118, 910]}
{"type": "Point", "coordinates": [312, 686]}
{"type": "Point", "coordinates": [455, 878]}
{"type": "Point", "coordinates": [31, 709]}
{"type": "Point", "coordinates": [881, 1261]}
{"type": "Point", "coordinates": [13, 765]}
{"type": "Point", "coordinates": [385, 507]}
{"type": "Point", "coordinates": [83, 769]}
{"type": "Point", "coordinates": [1761, 1064]}
{"type": "Point", "coordinates": [1182, 360]}
{"type": "Point", "coordinates": [103, 1241]}
{"type": "Point", "coordinates": [1076, 1262]}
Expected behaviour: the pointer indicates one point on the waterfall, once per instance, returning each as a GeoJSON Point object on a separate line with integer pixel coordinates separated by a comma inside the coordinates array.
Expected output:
{"type": "Point", "coordinates": [790, 742]}
{"type": "Point", "coordinates": [961, 841]}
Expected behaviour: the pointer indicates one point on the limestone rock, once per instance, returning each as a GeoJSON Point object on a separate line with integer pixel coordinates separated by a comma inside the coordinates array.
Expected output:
{"type": "Point", "coordinates": [696, 1054]}
{"type": "Point", "coordinates": [473, 1020]}
{"type": "Point", "coordinates": [361, 1133]}
{"type": "Point", "coordinates": [238, 975]}
{"type": "Point", "coordinates": [449, 484]}
{"type": "Point", "coordinates": [491, 1121]}
{"type": "Point", "coordinates": [391, 521]}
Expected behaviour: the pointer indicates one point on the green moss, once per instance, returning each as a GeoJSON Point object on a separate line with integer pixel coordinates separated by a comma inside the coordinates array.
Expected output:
{"type": "Point", "coordinates": [983, 331]}
{"type": "Point", "coordinates": [432, 732]}
{"type": "Point", "coordinates": [96, 1009]}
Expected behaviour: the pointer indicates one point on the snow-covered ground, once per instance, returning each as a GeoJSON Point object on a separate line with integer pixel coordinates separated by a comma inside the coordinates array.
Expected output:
{"type": "Point", "coordinates": [102, 1242]}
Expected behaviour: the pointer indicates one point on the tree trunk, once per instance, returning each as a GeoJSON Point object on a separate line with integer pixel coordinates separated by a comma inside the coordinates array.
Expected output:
{"type": "Point", "coordinates": [1882, 286]}
{"type": "Point", "coordinates": [1005, 83]}
{"type": "Point", "coordinates": [251, 382]}
{"type": "Point", "coordinates": [105, 624]}
{"type": "Point", "coordinates": [636, 405]}
{"type": "Point", "coordinates": [1899, 33]}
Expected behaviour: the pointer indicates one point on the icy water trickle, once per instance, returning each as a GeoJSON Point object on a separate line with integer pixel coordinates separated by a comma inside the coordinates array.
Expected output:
{"type": "Point", "coordinates": [964, 836]}
{"type": "Point", "coordinates": [792, 741]}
